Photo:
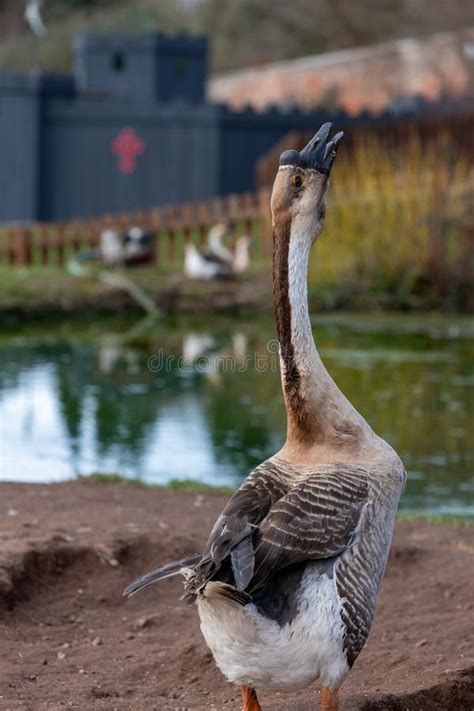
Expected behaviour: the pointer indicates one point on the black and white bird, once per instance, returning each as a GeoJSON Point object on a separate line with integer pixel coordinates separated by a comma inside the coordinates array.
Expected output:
{"type": "Point", "coordinates": [287, 582]}
{"type": "Point", "coordinates": [215, 245]}
{"type": "Point", "coordinates": [239, 259]}
{"type": "Point", "coordinates": [202, 264]}
{"type": "Point", "coordinates": [133, 247]}
{"type": "Point", "coordinates": [217, 261]}
{"type": "Point", "coordinates": [137, 246]}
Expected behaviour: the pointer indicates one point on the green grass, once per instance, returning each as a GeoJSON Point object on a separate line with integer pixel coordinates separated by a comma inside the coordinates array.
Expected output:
{"type": "Point", "coordinates": [44, 291]}
{"type": "Point", "coordinates": [188, 486]}
{"type": "Point", "coordinates": [451, 519]}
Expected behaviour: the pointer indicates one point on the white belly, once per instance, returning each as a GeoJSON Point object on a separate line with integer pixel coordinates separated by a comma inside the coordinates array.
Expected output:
{"type": "Point", "coordinates": [253, 650]}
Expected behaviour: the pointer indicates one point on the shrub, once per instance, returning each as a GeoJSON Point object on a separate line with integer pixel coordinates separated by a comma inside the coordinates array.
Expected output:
{"type": "Point", "coordinates": [397, 221]}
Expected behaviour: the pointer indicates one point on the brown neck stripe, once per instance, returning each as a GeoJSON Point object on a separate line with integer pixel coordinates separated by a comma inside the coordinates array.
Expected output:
{"type": "Point", "coordinates": [281, 301]}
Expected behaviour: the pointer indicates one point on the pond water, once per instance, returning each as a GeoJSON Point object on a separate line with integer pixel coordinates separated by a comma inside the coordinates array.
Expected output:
{"type": "Point", "coordinates": [201, 399]}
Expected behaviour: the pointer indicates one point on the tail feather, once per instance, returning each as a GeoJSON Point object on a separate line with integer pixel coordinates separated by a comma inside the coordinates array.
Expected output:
{"type": "Point", "coordinates": [165, 571]}
{"type": "Point", "coordinates": [215, 589]}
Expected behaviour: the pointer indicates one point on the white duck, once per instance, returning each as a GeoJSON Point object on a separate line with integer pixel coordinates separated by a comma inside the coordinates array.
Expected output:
{"type": "Point", "coordinates": [217, 261]}
{"type": "Point", "coordinates": [200, 264]}
{"type": "Point", "coordinates": [215, 246]}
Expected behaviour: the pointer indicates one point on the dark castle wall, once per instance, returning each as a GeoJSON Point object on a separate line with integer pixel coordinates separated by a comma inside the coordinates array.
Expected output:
{"type": "Point", "coordinates": [245, 136]}
{"type": "Point", "coordinates": [60, 158]}
{"type": "Point", "coordinates": [64, 140]}
{"type": "Point", "coordinates": [82, 176]}
{"type": "Point", "coordinates": [61, 137]}
{"type": "Point", "coordinates": [189, 153]}
{"type": "Point", "coordinates": [150, 67]}
{"type": "Point", "coordinates": [19, 142]}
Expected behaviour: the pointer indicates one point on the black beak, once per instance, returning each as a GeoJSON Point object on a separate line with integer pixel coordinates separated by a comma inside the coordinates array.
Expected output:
{"type": "Point", "coordinates": [318, 154]}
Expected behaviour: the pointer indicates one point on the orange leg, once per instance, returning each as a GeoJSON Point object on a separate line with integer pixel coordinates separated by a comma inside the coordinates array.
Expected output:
{"type": "Point", "coordinates": [249, 699]}
{"type": "Point", "coordinates": [329, 699]}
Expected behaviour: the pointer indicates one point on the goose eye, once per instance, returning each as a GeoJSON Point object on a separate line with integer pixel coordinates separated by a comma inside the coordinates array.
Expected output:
{"type": "Point", "coordinates": [297, 180]}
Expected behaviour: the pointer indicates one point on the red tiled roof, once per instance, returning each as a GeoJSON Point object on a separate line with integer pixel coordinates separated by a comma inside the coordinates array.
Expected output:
{"type": "Point", "coordinates": [357, 79]}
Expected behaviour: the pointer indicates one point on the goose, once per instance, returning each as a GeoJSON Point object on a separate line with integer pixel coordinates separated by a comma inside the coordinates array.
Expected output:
{"type": "Point", "coordinates": [239, 259]}
{"type": "Point", "coordinates": [215, 246]}
{"type": "Point", "coordinates": [134, 247]}
{"type": "Point", "coordinates": [110, 247]}
{"type": "Point", "coordinates": [287, 583]}
{"type": "Point", "coordinates": [137, 246]}
{"type": "Point", "coordinates": [208, 264]}
{"type": "Point", "coordinates": [199, 264]}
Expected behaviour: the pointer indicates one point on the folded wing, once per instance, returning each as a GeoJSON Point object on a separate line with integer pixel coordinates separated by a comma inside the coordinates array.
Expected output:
{"type": "Point", "coordinates": [272, 523]}
{"type": "Point", "coordinates": [315, 520]}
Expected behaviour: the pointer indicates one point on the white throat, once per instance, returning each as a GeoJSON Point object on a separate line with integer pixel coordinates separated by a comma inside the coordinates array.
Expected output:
{"type": "Point", "coordinates": [325, 400]}
{"type": "Point", "coordinates": [306, 354]}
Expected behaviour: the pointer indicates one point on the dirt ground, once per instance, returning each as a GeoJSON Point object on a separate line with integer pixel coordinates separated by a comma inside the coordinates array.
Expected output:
{"type": "Point", "coordinates": [69, 640]}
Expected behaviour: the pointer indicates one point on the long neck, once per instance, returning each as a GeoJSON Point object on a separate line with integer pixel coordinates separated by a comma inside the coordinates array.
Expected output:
{"type": "Point", "coordinates": [317, 411]}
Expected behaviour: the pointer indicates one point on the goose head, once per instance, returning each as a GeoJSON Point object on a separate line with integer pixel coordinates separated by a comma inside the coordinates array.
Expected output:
{"type": "Point", "coordinates": [299, 190]}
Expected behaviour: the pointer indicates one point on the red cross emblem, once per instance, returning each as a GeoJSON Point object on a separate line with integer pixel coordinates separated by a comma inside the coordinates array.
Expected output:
{"type": "Point", "coordinates": [128, 146]}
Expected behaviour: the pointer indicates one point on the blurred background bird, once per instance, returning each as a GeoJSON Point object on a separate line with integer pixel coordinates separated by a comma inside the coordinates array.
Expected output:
{"type": "Point", "coordinates": [33, 17]}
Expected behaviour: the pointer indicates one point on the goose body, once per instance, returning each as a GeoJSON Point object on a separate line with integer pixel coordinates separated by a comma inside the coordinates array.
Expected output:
{"type": "Point", "coordinates": [204, 265]}
{"type": "Point", "coordinates": [137, 246]}
{"type": "Point", "coordinates": [312, 622]}
{"type": "Point", "coordinates": [110, 247]}
{"type": "Point", "coordinates": [215, 246]}
{"type": "Point", "coordinates": [133, 247]}
{"type": "Point", "coordinates": [287, 583]}
{"type": "Point", "coordinates": [216, 261]}
{"type": "Point", "coordinates": [253, 650]}
{"type": "Point", "coordinates": [239, 259]}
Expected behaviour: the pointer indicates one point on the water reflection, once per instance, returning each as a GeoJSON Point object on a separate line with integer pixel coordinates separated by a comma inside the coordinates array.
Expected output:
{"type": "Point", "coordinates": [83, 401]}
{"type": "Point", "coordinates": [201, 353]}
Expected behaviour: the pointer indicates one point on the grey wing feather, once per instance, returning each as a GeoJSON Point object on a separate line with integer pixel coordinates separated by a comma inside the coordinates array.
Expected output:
{"type": "Point", "coordinates": [270, 523]}
{"type": "Point", "coordinates": [235, 528]}
{"type": "Point", "coordinates": [242, 560]}
{"type": "Point", "coordinates": [316, 520]}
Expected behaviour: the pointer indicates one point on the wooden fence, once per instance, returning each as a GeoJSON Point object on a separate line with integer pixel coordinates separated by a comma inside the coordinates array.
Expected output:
{"type": "Point", "coordinates": [447, 266]}
{"type": "Point", "coordinates": [169, 227]}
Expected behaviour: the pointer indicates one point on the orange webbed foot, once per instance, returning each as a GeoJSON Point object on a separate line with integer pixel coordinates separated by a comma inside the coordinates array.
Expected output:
{"type": "Point", "coordinates": [329, 699]}
{"type": "Point", "coordinates": [249, 699]}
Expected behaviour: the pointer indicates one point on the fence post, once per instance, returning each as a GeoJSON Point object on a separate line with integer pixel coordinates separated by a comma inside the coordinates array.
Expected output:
{"type": "Point", "coordinates": [20, 247]}
{"type": "Point", "coordinates": [187, 219]}
{"type": "Point", "coordinates": [266, 245]}
{"type": "Point", "coordinates": [60, 246]}
{"type": "Point", "coordinates": [155, 226]}
{"type": "Point", "coordinates": [203, 222]}
{"type": "Point", "coordinates": [171, 228]}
